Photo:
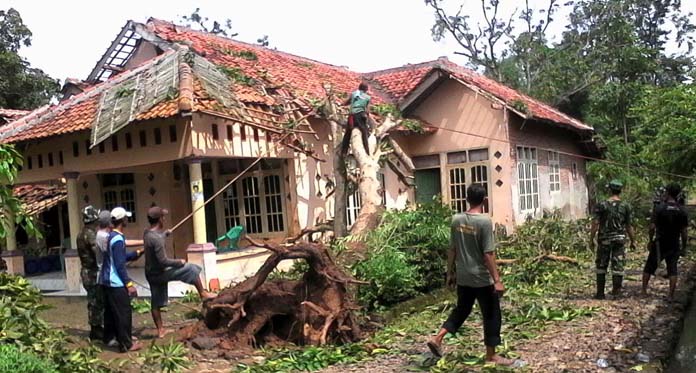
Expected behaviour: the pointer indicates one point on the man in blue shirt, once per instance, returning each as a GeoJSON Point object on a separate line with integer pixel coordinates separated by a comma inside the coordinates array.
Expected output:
{"type": "Point", "coordinates": [117, 285]}
{"type": "Point", "coordinates": [359, 102]}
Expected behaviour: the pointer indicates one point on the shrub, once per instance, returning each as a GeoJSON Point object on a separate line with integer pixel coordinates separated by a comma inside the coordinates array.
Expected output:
{"type": "Point", "coordinates": [14, 360]}
{"type": "Point", "coordinates": [407, 254]}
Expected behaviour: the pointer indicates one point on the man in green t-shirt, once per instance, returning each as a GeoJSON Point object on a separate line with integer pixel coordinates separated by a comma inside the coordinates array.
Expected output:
{"type": "Point", "coordinates": [612, 220]}
{"type": "Point", "coordinates": [472, 253]}
{"type": "Point", "coordinates": [359, 102]}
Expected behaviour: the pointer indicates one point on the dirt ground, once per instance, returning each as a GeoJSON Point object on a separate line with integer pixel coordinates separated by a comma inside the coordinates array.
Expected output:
{"type": "Point", "coordinates": [620, 330]}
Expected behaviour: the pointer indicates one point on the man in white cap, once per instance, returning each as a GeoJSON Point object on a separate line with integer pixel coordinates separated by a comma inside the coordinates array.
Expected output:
{"type": "Point", "coordinates": [117, 285]}
{"type": "Point", "coordinates": [160, 270]}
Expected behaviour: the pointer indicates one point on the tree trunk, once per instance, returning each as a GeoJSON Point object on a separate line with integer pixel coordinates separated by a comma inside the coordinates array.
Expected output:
{"type": "Point", "coordinates": [368, 184]}
{"type": "Point", "coordinates": [340, 198]}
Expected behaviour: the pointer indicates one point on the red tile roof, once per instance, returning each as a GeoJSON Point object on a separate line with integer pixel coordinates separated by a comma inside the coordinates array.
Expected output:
{"type": "Point", "coordinates": [280, 73]}
{"type": "Point", "coordinates": [8, 115]}
{"type": "Point", "coordinates": [37, 198]}
{"type": "Point", "coordinates": [401, 81]}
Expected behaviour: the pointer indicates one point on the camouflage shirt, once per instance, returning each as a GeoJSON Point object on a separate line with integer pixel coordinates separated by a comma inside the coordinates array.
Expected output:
{"type": "Point", "coordinates": [613, 217]}
{"type": "Point", "coordinates": [87, 251]}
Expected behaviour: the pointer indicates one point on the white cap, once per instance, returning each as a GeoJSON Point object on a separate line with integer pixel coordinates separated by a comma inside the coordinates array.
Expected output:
{"type": "Point", "coordinates": [120, 213]}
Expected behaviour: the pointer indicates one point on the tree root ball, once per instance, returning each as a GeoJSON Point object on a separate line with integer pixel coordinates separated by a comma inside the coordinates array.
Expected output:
{"type": "Point", "coordinates": [314, 310]}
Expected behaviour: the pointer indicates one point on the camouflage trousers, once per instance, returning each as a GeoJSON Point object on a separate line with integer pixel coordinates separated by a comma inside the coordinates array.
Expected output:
{"type": "Point", "coordinates": [613, 252]}
{"type": "Point", "coordinates": [95, 300]}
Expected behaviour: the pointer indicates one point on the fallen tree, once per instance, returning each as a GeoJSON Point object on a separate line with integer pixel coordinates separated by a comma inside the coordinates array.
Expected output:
{"type": "Point", "coordinates": [316, 309]}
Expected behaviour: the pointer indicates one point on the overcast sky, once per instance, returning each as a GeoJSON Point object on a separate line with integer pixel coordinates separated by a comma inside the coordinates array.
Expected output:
{"type": "Point", "coordinates": [365, 35]}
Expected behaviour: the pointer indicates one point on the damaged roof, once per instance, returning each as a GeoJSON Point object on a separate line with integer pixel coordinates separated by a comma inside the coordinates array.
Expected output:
{"type": "Point", "coordinates": [240, 80]}
{"type": "Point", "coordinates": [9, 115]}
{"type": "Point", "coordinates": [37, 198]}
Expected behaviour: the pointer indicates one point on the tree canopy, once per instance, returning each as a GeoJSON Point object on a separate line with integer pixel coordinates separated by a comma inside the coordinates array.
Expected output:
{"type": "Point", "coordinates": [21, 86]}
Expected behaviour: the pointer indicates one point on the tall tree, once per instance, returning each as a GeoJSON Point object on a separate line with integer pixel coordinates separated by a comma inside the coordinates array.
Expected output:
{"type": "Point", "coordinates": [21, 86]}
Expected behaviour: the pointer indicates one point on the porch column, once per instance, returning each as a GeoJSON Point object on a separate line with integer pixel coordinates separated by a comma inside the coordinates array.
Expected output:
{"type": "Point", "coordinates": [197, 199]}
{"type": "Point", "coordinates": [72, 261]}
{"type": "Point", "coordinates": [14, 259]}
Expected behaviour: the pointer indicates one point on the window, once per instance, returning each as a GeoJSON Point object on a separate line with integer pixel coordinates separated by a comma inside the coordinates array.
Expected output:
{"type": "Point", "coordinates": [465, 168]}
{"type": "Point", "coordinates": [230, 133]}
{"type": "Point", "coordinates": [101, 147]}
{"type": "Point", "coordinates": [29, 163]}
{"type": "Point", "coordinates": [143, 138]}
{"type": "Point", "coordinates": [527, 178]}
{"type": "Point", "coordinates": [50, 159]}
{"type": "Point", "coordinates": [129, 141]}
{"type": "Point", "coordinates": [60, 157]}
{"type": "Point", "coordinates": [242, 132]}
{"type": "Point", "coordinates": [216, 134]}
{"type": "Point", "coordinates": [75, 149]}
{"type": "Point", "coordinates": [88, 148]}
{"type": "Point", "coordinates": [256, 201]}
{"type": "Point", "coordinates": [119, 190]}
{"type": "Point", "coordinates": [40, 160]}
{"type": "Point", "coordinates": [172, 133]}
{"type": "Point", "coordinates": [554, 172]}
{"type": "Point", "coordinates": [158, 136]}
{"type": "Point", "coordinates": [114, 143]}
{"type": "Point", "coordinates": [575, 171]}
{"type": "Point", "coordinates": [256, 134]}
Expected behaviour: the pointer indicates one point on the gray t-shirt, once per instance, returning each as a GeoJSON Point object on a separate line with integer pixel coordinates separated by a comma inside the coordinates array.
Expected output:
{"type": "Point", "coordinates": [472, 236]}
{"type": "Point", "coordinates": [102, 245]}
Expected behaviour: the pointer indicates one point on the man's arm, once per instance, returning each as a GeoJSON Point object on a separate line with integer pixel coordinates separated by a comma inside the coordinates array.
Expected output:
{"type": "Point", "coordinates": [631, 236]}
{"type": "Point", "coordinates": [594, 228]}
{"type": "Point", "coordinates": [684, 240]}
{"type": "Point", "coordinates": [489, 262]}
{"type": "Point", "coordinates": [130, 243]}
{"type": "Point", "coordinates": [451, 265]}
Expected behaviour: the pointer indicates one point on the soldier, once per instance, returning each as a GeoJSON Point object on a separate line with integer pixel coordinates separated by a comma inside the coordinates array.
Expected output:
{"type": "Point", "coordinates": [612, 219]}
{"type": "Point", "coordinates": [90, 257]}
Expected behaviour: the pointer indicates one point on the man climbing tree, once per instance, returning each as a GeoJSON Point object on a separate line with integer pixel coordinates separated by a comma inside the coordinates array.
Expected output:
{"type": "Point", "coordinates": [359, 102]}
{"type": "Point", "coordinates": [612, 219]}
{"type": "Point", "coordinates": [669, 224]}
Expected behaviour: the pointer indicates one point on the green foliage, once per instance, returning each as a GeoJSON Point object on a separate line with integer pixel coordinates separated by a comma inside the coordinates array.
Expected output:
{"type": "Point", "coordinates": [20, 325]}
{"type": "Point", "coordinates": [298, 269]}
{"type": "Point", "coordinates": [406, 254]}
{"type": "Point", "coordinates": [141, 306]}
{"type": "Point", "coordinates": [198, 21]}
{"type": "Point", "coordinates": [21, 86]}
{"type": "Point", "coordinates": [310, 359]}
{"type": "Point", "coordinates": [520, 106]}
{"type": "Point", "coordinates": [191, 297]}
{"type": "Point", "coordinates": [245, 54]}
{"type": "Point", "coordinates": [168, 358]}
{"type": "Point", "coordinates": [14, 360]}
{"type": "Point", "coordinates": [238, 75]}
{"type": "Point", "coordinates": [10, 206]}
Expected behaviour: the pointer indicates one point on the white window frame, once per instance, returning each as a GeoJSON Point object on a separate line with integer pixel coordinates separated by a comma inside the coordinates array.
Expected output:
{"type": "Point", "coordinates": [264, 212]}
{"type": "Point", "coordinates": [554, 172]}
{"type": "Point", "coordinates": [122, 198]}
{"type": "Point", "coordinates": [461, 175]}
{"type": "Point", "coordinates": [528, 179]}
{"type": "Point", "coordinates": [354, 202]}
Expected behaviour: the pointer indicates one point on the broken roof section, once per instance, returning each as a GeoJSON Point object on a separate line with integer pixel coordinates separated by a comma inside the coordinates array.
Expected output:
{"type": "Point", "coordinates": [38, 198]}
{"type": "Point", "coordinates": [10, 115]}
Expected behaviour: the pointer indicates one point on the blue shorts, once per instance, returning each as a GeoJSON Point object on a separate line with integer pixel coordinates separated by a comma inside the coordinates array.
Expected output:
{"type": "Point", "coordinates": [159, 283]}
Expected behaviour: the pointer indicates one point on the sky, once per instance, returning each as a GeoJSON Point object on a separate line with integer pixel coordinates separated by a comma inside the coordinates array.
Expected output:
{"type": "Point", "coordinates": [69, 36]}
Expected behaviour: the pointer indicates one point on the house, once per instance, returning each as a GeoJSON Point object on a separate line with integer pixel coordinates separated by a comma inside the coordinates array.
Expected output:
{"type": "Point", "coordinates": [169, 116]}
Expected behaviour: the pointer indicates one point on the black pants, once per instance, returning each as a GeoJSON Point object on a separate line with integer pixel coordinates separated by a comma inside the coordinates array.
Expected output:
{"type": "Point", "coordinates": [488, 301]}
{"type": "Point", "coordinates": [118, 322]}
{"type": "Point", "coordinates": [670, 256]}
{"type": "Point", "coordinates": [359, 121]}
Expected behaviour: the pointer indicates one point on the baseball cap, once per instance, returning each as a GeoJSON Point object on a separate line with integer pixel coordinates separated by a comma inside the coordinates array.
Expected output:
{"type": "Point", "coordinates": [90, 214]}
{"type": "Point", "coordinates": [120, 213]}
{"type": "Point", "coordinates": [156, 212]}
{"type": "Point", "coordinates": [616, 184]}
{"type": "Point", "coordinates": [104, 217]}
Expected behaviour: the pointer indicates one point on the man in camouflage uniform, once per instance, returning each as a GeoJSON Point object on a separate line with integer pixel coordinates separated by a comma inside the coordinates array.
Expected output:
{"type": "Point", "coordinates": [89, 259]}
{"type": "Point", "coordinates": [612, 220]}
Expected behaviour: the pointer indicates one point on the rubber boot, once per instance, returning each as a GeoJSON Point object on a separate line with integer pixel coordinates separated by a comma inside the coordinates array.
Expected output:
{"type": "Point", "coordinates": [616, 282]}
{"type": "Point", "coordinates": [96, 333]}
{"type": "Point", "coordinates": [601, 282]}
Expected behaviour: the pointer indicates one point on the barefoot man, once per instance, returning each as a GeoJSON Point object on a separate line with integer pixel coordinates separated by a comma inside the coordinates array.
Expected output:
{"type": "Point", "coordinates": [472, 252]}
{"type": "Point", "coordinates": [160, 270]}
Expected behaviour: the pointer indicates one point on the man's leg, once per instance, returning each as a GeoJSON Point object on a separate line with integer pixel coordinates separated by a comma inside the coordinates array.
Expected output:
{"type": "Point", "coordinates": [345, 143]}
{"type": "Point", "coordinates": [601, 263]}
{"type": "Point", "coordinates": [124, 319]}
{"type": "Point", "coordinates": [159, 299]}
{"type": "Point", "coordinates": [465, 301]}
{"type": "Point", "coordinates": [191, 274]}
{"type": "Point", "coordinates": [618, 261]}
{"type": "Point", "coordinates": [672, 262]}
{"type": "Point", "coordinates": [109, 321]}
{"type": "Point", "coordinates": [649, 269]}
{"type": "Point", "coordinates": [361, 123]}
{"type": "Point", "coordinates": [489, 302]}
{"type": "Point", "coordinates": [93, 312]}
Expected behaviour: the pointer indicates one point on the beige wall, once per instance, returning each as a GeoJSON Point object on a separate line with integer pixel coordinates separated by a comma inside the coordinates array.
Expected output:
{"type": "Point", "coordinates": [573, 198]}
{"type": "Point", "coordinates": [455, 107]}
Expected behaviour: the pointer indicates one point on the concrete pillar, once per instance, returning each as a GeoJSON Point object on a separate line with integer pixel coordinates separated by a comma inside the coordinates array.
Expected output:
{"type": "Point", "coordinates": [72, 261]}
{"type": "Point", "coordinates": [74, 215]}
{"type": "Point", "coordinates": [14, 261]}
{"type": "Point", "coordinates": [73, 280]}
{"type": "Point", "coordinates": [197, 199]}
{"type": "Point", "coordinates": [205, 256]}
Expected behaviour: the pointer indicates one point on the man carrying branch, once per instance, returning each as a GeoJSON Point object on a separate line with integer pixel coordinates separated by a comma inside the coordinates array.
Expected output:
{"type": "Point", "coordinates": [472, 252]}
